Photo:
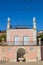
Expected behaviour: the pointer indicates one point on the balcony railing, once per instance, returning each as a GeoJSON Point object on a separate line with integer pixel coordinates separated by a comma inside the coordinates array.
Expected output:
{"type": "Point", "coordinates": [19, 43]}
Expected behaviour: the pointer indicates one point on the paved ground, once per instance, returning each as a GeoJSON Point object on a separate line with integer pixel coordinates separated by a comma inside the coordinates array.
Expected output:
{"type": "Point", "coordinates": [23, 63]}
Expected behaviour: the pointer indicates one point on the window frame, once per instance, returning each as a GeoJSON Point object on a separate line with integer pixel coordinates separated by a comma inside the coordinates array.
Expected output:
{"type": "Point", "coordinates": [25, 41]}
{"type": "Point", "coordinates": [16, 41]}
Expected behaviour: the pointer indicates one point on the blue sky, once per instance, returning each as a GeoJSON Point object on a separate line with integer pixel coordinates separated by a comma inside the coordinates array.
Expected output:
{"type": "Point", "coordinates": [21, 12]}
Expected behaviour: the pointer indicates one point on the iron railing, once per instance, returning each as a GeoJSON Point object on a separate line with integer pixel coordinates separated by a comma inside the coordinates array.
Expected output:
{"type": "Point", "coordinates": [21, 43]}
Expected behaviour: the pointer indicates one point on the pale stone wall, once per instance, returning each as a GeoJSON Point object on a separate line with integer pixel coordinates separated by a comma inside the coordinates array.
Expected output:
{"type": "Point", "coordinates": [0, 52]}
{"type": "Point", "coordinates": [10, 53]}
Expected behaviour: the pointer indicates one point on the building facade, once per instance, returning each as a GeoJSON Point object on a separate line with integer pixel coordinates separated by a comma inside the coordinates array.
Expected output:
{"type": "Point", "coordinates": [21, 44]}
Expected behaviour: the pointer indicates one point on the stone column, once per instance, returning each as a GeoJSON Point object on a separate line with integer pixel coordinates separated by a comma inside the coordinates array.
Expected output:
{"type": "Point", "coordinates": [39, 50]}
{"type": "Point", "coordinates": [39, 53]}
{"type": "Point", "coordinates": [39, 41]}
{"type": "Point", "coordinates": [8, 32]}
{"type": "Point", "coordinates": [34, 31]}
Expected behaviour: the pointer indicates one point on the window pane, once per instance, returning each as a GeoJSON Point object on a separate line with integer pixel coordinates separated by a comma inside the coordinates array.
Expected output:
{"type": "Point", "coordinates": [26, 39]}
{"type": "Point", "coordinates": [16, 39]}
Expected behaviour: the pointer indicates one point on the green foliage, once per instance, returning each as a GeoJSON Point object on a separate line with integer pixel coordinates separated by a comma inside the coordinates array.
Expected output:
{"type": "Point", "coordinates": [41, 36]}
{"type": "Point", "coordinates": [4, 37]}
{"type": "Point", "coordinates": [0, 39]}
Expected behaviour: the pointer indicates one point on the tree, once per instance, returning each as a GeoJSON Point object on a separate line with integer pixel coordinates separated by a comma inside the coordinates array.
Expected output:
{"type": "Point", "coordinates": [41, 36]}
{"type": "Point", "coordinates": [4, 37]}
